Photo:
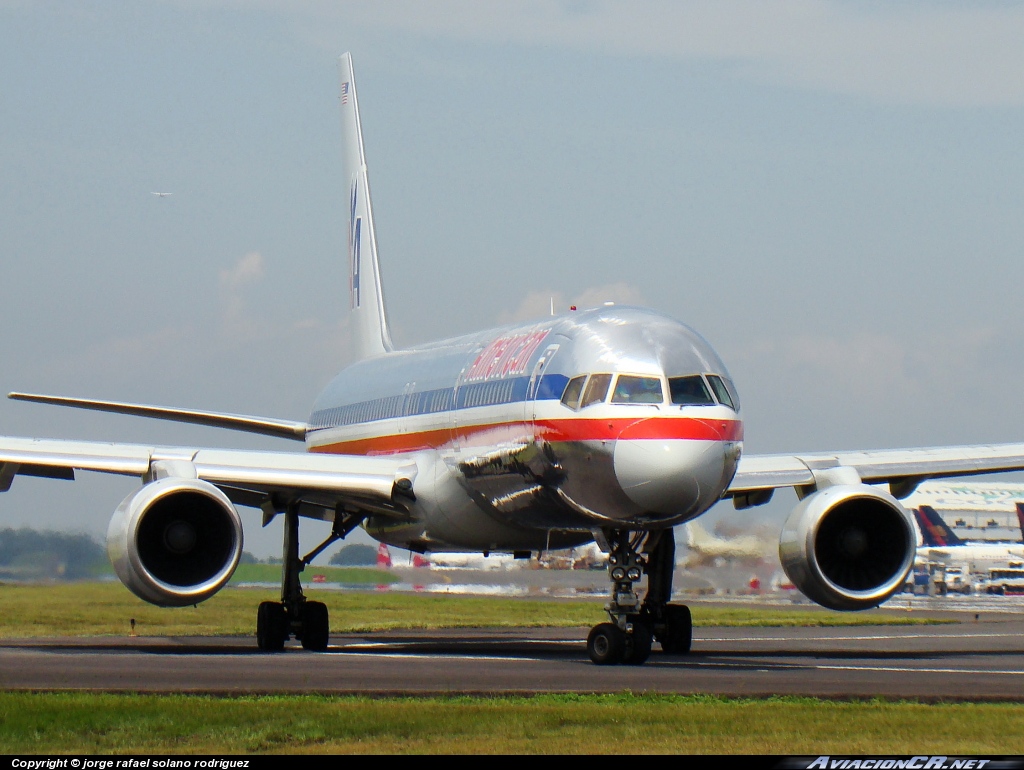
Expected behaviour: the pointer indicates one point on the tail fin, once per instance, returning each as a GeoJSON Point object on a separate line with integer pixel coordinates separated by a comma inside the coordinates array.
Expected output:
{"type": "Point", "coordinates": [368, 319]}
{"type": "Point", "coordinates": [933, 529]}
{"type": "Point", "coordinates": [927, 535]}
{"type": "Point", "coordinates": [1020, 518]}
{"type": "Point", "coordinates": [695, 535]}
{"type": "Point", "coordinates": [420, 561]}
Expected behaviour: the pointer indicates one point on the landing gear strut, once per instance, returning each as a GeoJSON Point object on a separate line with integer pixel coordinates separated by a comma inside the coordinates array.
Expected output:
{"type": "Point", "coordinates": [295, 615]}
{"type": "Point", "coordinates": [634, 626]}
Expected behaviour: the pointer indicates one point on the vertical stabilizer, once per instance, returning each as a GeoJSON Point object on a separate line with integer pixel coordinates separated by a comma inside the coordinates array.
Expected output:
{"type": "Point", "coordinates": [383, 556]}
{"type": "Point", "coordinates": [368, 321]}
{"type": "Point", "coordinates": [934, 530]}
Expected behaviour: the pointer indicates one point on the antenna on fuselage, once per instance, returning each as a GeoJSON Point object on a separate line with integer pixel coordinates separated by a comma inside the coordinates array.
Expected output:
{"type": "Point", "coordinates": [368, 324]}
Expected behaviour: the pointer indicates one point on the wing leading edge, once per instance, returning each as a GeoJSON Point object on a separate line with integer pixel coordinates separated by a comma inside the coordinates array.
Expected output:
{"type": "Point", "coordinates": [317, 484]}
{"type": "Point", "coordinates": [902, 469]}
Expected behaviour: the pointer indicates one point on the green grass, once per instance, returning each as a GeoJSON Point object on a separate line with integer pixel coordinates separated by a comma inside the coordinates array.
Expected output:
{"type": "Point", "coordinates": [96, 609]}
{"type": "Point", "coordinates": [78, 722]}
{"type": "Point", "coordinates": [563, 724]}
{"type": "Point", "coordinates": [353, 576]}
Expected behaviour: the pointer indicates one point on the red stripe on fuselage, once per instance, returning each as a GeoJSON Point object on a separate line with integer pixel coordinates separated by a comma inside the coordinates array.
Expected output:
{"type": "Point", "coordinates": [664, 428]}
{"type": "Point", "coordinates": [684, 428]}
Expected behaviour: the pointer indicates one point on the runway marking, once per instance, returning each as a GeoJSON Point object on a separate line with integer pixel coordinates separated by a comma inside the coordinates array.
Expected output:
{"type": "Point", "coordinates": [364, 651]}
{"type": "Point", "coordinates": [997, 672]}
{"type": "Point", "coordinates": [435, 656]}
{"type": "Point", "coordinates": [881, 669]}
{"type": "Point", "coordinates": [379, 645]}
{"type": "Point", "coordinates": [876, 637]}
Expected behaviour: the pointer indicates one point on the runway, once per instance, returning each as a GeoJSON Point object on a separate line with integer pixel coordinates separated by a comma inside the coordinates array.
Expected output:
{"type": "Point", "coordinates": [962, 661]}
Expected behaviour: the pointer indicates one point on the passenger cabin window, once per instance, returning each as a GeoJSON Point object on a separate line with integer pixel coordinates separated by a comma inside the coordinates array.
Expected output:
{"type": "Point", "coordinates": [596, 390]}
{"type": "Point", "coordinates": [571, 394]}
{"type": "Point", "coordinates": [630, 389]}
{"type": "Point", "coordinates": [721, 391]}
{"type": "Point", "coordinates": [690, 391]}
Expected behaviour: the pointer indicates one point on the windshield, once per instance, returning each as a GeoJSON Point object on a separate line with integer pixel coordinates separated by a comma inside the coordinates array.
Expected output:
{"type": "Point", "coordinates": [571, 395]}
{"type": "Point", "coordinates": [690, 391]}
{"type": "Point", "coordinates": [597, 389]}
{"type": "Point", "coordinates": [630, 389]}
{"type": "Point", "coordinates": [722, 392]}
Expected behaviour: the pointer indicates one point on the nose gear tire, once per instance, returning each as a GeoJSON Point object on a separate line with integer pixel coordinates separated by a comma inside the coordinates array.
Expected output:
{"type": "Point", "coordinates": [638, 644]}
{"type": "Point", "coordinates": [678, 634]}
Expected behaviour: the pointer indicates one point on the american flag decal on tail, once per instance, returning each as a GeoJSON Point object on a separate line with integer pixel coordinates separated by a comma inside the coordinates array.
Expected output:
{"type": "Point", "coordinates": [344, 92]}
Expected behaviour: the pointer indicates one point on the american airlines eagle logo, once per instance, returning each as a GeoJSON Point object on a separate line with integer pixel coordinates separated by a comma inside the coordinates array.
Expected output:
{"type": "Point", "coordinates": [355, 225]}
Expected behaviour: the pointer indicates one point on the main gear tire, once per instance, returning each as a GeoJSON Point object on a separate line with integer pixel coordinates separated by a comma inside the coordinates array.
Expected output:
{"type": "Point", "coordinates": [316, 627]}
{"type": "Point", "coordinates": [606, 644]}
{"type": "Point", "coordinates": [271, 627]}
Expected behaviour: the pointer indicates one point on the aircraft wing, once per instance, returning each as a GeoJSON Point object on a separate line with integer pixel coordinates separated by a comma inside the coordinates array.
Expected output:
{"type": "Point", "coordinates": [903, 469]}
{"type": "Point", "coordinates": [289, 429]}
{"type": "Point", "coordinates": [318, 484]}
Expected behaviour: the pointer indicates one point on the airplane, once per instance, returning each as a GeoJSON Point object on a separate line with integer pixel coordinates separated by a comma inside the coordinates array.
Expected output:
{"type": "Point", "coordinates": [473, 561]}
{"type": "Point", "coordinates": [707, 548]}
{"type": "Point", "coordinates": [588, 557]}
{"type": "Point", "coordinates": [609, 425]}
{"type": "Point", "coordinates": [161, 194]}
{"type": "Point", "coordinates": [383, 556]}
{"type": "Point", "coordinates": [941, 544]}
{"type": "Point", "coordinates": [977, 511]}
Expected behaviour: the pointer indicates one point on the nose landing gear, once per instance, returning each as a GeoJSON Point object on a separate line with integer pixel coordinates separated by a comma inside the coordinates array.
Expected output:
{"type": "Point", "coordinates": [629, 636]}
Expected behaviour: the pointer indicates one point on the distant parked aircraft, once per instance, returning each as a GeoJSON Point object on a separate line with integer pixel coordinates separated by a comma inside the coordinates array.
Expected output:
{"type": "Point", "coordinates": [472, 561]}
{"type": "Point", "coordinates": [706, 548]}
{"type": "Point", "coordinates": [941, 544]}
{"type": "Point", "coordinates": [384, 560]}
{"type": "Point", "coordinates": [974, 510]}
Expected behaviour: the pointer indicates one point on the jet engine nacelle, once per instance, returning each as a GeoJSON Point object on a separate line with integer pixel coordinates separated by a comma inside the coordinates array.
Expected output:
{"type": "Point", "coordinates": [175, 541]}
{"type": "Point", "coordinates": [848, 547]}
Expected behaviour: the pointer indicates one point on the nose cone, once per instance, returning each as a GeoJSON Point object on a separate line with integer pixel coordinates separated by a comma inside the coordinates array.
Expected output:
{"type": "Point", "coordinates": [673, 477]}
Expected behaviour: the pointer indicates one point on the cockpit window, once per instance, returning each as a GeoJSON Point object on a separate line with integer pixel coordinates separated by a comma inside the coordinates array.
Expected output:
{"type": "Point", "coordinates": [596, 390]}
{"type": "Point", "coordinates": [630, 389]}
{"type": "Point", "coordinates": [690, 391]}
{"type": "Point", "coordinates": [571, 394]}
{"type": "Point", "coordinates": [721, 391]}
{"type": "Point", "coordinates": [731, 387]}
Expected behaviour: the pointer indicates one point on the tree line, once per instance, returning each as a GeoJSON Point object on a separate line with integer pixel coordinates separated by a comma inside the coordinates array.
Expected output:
{"type": "Point", "coordinates": [29, 554]}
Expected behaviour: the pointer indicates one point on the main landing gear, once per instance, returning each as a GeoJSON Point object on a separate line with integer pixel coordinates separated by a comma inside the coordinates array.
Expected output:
{"type": "Point", "coordinates": [634, 627]}
{"type": "Point", "coordinates": [295, 615]}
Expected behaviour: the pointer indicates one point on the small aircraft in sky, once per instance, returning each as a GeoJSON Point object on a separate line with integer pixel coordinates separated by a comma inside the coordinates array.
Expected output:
{"type": "Point", "coordinates": [161, 194]}
{"type": "Point", "coordinates": [609, 425]}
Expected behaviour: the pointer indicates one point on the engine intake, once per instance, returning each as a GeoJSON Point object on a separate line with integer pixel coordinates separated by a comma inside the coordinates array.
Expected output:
{"type": "Point", "coordinates": [848, 547]}
{"type": "Point", "coordinates": [175, 541]}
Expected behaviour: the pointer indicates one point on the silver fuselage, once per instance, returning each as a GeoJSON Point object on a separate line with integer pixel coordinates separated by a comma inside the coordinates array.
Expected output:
{"type": "Point", "coordinates": [504, 463]}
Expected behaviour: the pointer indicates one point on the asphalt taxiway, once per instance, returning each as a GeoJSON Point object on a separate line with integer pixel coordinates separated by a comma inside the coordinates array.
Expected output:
{"type": "Point", "coordinates": [979, 659]}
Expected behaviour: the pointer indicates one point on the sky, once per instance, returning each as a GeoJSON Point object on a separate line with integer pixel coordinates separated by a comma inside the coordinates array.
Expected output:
{"type": "Point", "coordinates": [830, 192]}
